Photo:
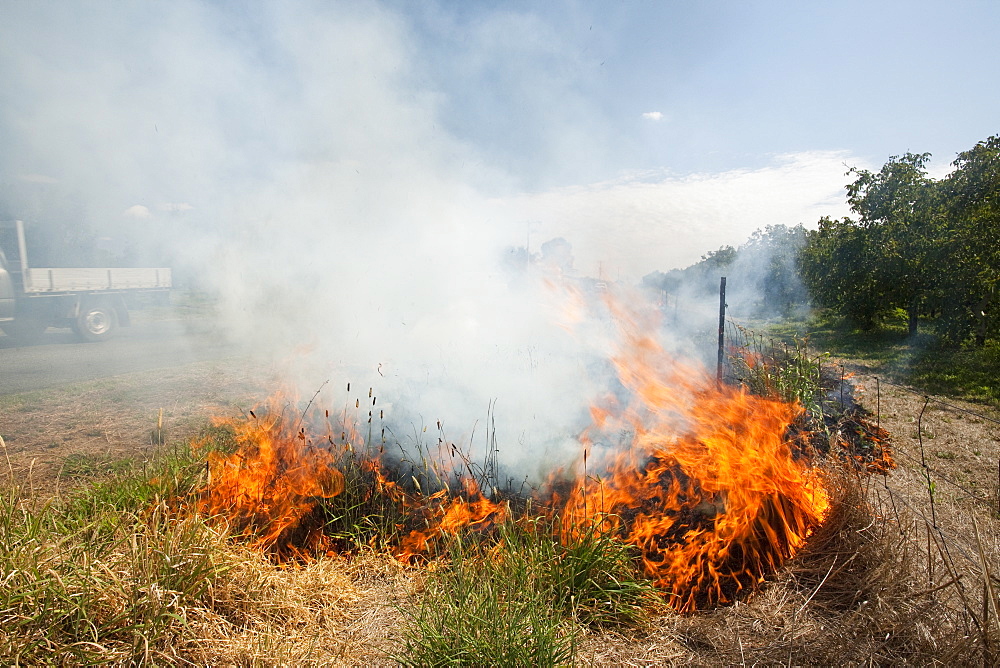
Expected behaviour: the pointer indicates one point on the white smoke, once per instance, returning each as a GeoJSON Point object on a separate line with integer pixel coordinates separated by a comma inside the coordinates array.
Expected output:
{"type": "Point", "coordinates": [315, 190]}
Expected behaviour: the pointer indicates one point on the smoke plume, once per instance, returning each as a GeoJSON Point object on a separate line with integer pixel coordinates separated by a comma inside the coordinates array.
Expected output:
{"type": "Point", "coordinates": [297, 161]}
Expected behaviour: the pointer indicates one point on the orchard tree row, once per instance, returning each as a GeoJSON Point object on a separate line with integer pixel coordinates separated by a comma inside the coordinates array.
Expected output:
{"type": "Point", "coordinates": [928, 247]}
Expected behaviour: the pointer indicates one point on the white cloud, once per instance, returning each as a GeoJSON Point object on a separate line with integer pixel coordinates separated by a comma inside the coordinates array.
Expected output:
{"type": "Point", "coordinates": [137, 211]}
{"type": "Point", "coordinates": [654, 221]}
{"type": "Point", "coordinates": [653, 115]}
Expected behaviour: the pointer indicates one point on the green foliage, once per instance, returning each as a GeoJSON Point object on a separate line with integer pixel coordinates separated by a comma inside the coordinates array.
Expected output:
{"type": "Point", "coordinates": [787, 371]}
{"type": "Point", "coordinates": [972, 244]}
{"type": "Point", "coordinates": [883, 260]}
{"type": "Point", "coordinates": [514, 599]}
{"type": "Point", "coordinates": [839, 267]}
{"type": "Point", "coordinates": [713, 261]}
{"type": "Point", "coordinates": [931, 248]}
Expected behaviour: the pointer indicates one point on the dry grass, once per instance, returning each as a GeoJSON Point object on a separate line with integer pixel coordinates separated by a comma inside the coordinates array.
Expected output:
{"type": "Point", "coordinates": [332, 612]}
{"type": "Point", "coordinates": [858, 595]}
{"type": "Point", "coordinates": [63, 437]}
{"type": "Point", "coordinates": [956, 440]}
{"type": "Point", "coordinates": [887, 580]}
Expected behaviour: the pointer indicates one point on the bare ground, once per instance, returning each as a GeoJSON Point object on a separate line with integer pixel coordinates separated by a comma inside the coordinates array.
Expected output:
{"type": "Point", "coordinates": [958, 441]}
{"type": "Point", "coordinates": [62, 437]}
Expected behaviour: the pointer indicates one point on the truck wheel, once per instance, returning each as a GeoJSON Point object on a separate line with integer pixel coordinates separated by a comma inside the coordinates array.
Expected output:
{"type": "Point", "coordinates": [24, 330]}
{"type": "Point", "coordinates": [96, 322]}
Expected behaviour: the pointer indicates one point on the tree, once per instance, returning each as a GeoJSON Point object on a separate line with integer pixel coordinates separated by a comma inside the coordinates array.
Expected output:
{"type": "Point", "coordinates": [899, 214]}
{"type": "Point", "coordinates": [917, 244]}
{"type": "Point", "coordinates": [972, 240]}
{"type": "Point", "coordinates": [719, 259]}
{"type": "Point", "coordinates": [767, 262]}
{"type": "Point", "coordinates": [840, 267]}
{"type": "Point", "coordinates": [762, 274]}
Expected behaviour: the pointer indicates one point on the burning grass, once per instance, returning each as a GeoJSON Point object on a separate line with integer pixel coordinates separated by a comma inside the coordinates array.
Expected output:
{"type": "Point", "coordinates": [703, 485]}
{"type": "Point", "coordinates": [704, 524]}
{"type": "Point", "coordinates": [120, 572]}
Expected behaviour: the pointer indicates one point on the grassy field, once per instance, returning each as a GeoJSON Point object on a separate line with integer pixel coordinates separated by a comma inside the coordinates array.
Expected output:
{"type": "Point", "coordinates": [105, 558]}
{"type": "Point", "coordinates": [968, 373]}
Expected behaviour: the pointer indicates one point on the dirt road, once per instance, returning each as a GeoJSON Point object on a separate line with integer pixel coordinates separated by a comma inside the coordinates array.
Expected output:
{"type": "Point", "coordinates": [58, 358]}
{"type": "Point", "coordinates": [69, 411]}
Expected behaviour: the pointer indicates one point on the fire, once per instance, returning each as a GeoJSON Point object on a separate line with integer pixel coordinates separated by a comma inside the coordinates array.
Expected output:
{"type": "Point", "coordinates": [705, 480]}
{"type": "Point", "coordinates": [706, 487]}
{"type": "Point", "coordinates": [705, 483]}
{"type": "Point", "coordinates": [271, 488]}
{"type": "Point", "coordinates": [438, 514]}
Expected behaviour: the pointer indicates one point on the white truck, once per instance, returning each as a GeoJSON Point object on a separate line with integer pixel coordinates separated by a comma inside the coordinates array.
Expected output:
{"type": "Point", "coordinates": [93, 302]}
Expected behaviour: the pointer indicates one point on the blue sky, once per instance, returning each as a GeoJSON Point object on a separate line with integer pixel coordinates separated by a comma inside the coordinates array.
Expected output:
{"type": "Point", "coordinates": [735, 82]}
{"type": "Point", "coordinates": [647, 133]}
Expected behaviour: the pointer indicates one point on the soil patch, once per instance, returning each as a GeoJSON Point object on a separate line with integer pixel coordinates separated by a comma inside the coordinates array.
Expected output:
{"type": "Point", "coordinates": [62, 437]}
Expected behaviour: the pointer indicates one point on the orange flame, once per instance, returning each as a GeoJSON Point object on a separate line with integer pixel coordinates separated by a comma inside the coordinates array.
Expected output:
{"type": "Point", "coordinates": [706, 486]}
{"type": "Point", "coordinates": [271, 486]}
{"type": "Point", "coordinates": [439, 513]}
{"type": "Point", "coordinates": [702, 479]}
{"type": "Point", "coordinates": [713, 508]}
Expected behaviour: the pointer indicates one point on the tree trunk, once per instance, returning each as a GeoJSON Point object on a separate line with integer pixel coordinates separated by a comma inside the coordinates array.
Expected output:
{"type": "Point", "coordinates": [982, 321]}
{"type": "Point", "coordinates": [912, 312]}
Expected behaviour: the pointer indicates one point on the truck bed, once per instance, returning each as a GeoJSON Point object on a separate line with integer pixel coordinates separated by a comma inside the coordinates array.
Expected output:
{"type": "Point", "coordinates": [50, 280]}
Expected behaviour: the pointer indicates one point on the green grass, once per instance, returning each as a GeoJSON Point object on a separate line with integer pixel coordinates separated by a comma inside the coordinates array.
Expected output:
{"type": "Point", "coordinates": [104, 574]}
{"type": "Point", "coordinates": [479, 612]}
{"type": "Point", "coordinates": [970, 373]}
{"type": "Point", "coordinates": [80, 465]}
{"type": "Point", "coordinates": [518, 597]}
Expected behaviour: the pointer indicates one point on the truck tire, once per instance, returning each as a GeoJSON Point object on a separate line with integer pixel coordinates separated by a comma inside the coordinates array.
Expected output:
{"type": "Point", "coordinates": [96, 322]}
{"type": "Point", "coordinates": [24, 330]}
